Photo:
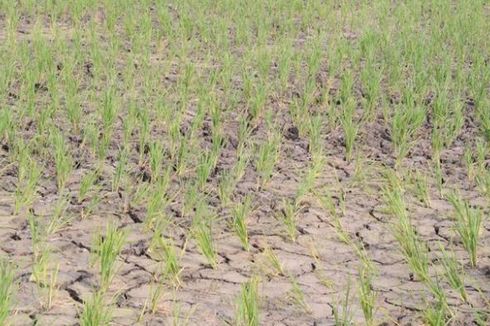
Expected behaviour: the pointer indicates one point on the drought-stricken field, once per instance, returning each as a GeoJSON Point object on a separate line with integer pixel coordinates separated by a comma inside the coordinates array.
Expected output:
{"type": "Point", "coordinates": [244, 162]}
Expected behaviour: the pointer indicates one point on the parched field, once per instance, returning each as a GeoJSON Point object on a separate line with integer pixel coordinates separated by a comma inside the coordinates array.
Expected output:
{"type": "Point", "coordinates": [262, 162]}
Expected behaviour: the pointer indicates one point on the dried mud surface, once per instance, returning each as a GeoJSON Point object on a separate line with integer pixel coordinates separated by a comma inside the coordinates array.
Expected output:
{"type": "Point", "coordinates": [207, 296]}
{"type": "Point", "coordinates": [209, 293]}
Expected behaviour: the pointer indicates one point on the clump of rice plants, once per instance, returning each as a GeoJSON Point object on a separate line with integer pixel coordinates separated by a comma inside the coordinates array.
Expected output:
{"type": "Point", "coordinates": [267, 156]}
{"type": "Point", "coordinates": [7, 286]}
{"type": "Point", "coordinates": [407, 119]}
{"type": "Point", "coordinates": [297, 295]}
{"type": "Point", "coordinates": [239, 220]}
{"type": "Point", "coordinates": [367, 294]}
{"type": "Point", "coordinates": [414, 251]}
{"type": "Point", "coordinates": [342, 312]}
{"type": "Point", "coordinates": [453, 272]}
{"type": "Point", "coordinates": [164, 248]}
{"type": "Point", "coordinates": [107, 247]}
{"type": "Point", "coordinates": [288, 216]}
{"type": "Point", "coordinates": [248, 303]}
{"type": "Point", "coordinates": [95, 311]}
{"type": "Point", "coordinates": [468, 225]}
{"type": "Point", "coordinates": [202, 232]}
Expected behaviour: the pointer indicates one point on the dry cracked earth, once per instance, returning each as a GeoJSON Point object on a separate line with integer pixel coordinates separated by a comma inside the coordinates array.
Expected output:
{"type": "Point", "coordinates": [323, 265]}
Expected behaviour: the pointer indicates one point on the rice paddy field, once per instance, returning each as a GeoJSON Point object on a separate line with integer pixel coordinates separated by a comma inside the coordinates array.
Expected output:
{"type": "Point", "coordinates": [261, 162]}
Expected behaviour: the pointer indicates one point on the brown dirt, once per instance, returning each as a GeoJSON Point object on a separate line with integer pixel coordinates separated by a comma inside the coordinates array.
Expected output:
{"type": "Point", "coordinates": [208, 296]}
{"type": "Point", "coordinates": [209, 293]}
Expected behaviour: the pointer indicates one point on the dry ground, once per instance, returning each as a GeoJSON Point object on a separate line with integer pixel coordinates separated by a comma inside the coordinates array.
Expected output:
{"type": "Point", "coordinates": [323, 265]}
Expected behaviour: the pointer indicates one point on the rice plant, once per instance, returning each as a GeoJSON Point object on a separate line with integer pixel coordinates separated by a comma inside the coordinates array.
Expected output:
{"type": "Point", "coordinates": [41, 252]}
{"type": "Point", "coordinates": [165, 249]}
{"type": "Point", "coordinates": [297, 295]}
{"type": "Point", "coordinates": [225, 187]}
{"type": "Point", "coordinates": [28, 179]}
{"type": "Point", "coordinates": [273, 261]}
{"type": "Point", "coordinates": [453, 272]}
{"type": "Point", "coordinates": [434, 316]}
{"type": "Point", "coordinates": [288, 216]}
{"type": "Point", "coordinates": [308, 182]}
{"type": "Point", "coordinates": [106, 249]}
{"type": "Point", "coordinates": [407, 120]}
{"type": "Point", "coordinates": [248, 304]}
{"type": "Point", "coordinates": [95, 311]}
{"type": "Point", "coordinates": [60, 217]}
{"type": "Point", "coordinates": [367, 294]}
{"type": "Point", "coordinates": [268, 154]}
{"type": "Point", "coordinates": [413, 250]}
{"type": "Point", "coordinates": [350, 127]}
{"type": "Point", "coordinates": [421, 188]}
{"type": "Point", "coordinates": [7, 286]}
{"type": "Point", "coordinates": [178, 317]}
{"type": "Point", "coordinates": [155, 296]}
{"type": "Point", "coordinates": [87, 182]}
{"type": "Point", "coordinates": [62, 158]}
{"type": "Point", "coordinates": [468, 225]}
{"type": "Point", "coordinates": [203, 234]}
{"type": "Point", "coordinates": [342, 313]}
{"type": "Point", "coordinates": [204, 168]}
{"type": "Point", "coordinates": [239, 220]}
{"type": "Point", "coordinates": [45, 273]}
{"type": "Point", "coordinates": [156, 159]}
{"type": "Point", "coordinates": [151, 303]}
{"type": "Point", "coordinates": [157, 201]}
{"type": "Point", "coordinates": [483, 182]}
{"type": "Point", "coordinates": [52, 286]}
